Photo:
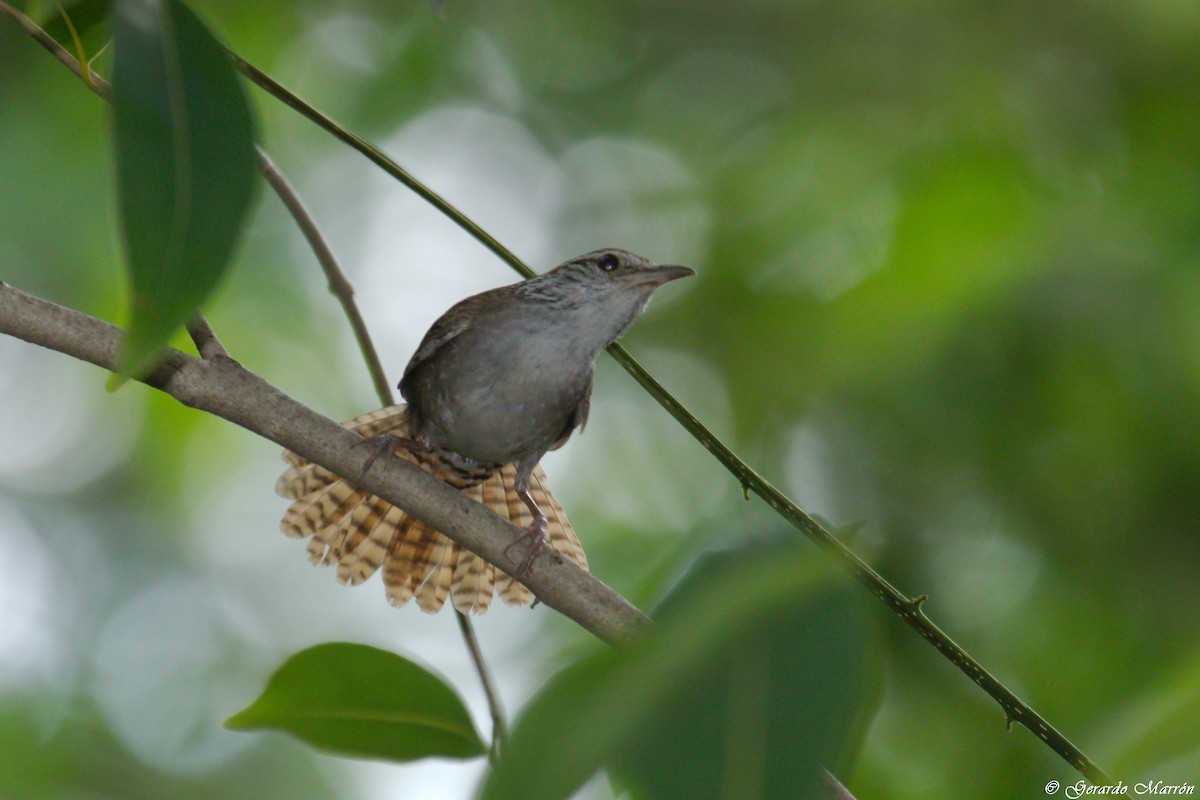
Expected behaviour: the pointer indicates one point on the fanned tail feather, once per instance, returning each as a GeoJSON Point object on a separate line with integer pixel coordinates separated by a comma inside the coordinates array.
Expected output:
{"type": "Point", "coordinates": [559, 531]}
{"type": "Point", "coordinates": [360, 533]}
{"type": "Point", "coordinates": [473, 576]}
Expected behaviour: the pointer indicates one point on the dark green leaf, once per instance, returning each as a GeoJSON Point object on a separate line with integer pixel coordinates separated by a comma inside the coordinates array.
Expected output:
{"type": "Point", "coordinates": [185, 166]}
{"type": "Point", "coordinates": [363, 702]}
{"type": "Point", "coordinates": [768, 703]}
{"type": "Point", "coordinates": [751, 681]}
{"type": "Point", "coordinates": [553, 751]}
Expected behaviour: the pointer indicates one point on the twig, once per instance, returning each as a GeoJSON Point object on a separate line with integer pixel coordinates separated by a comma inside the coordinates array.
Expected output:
{"type": "Point", "coordinates": [499, 727]}
{"type": "Point", "coordinates": [205, 339]}
{"type": "Point", "coordinates": [94, 82]}
{"type": "Point", "coordinates": [339, 284]}
{"type": "Point", "coordinates": [230, 391]}
{"type": "Point", "coordinates": [908, 609]}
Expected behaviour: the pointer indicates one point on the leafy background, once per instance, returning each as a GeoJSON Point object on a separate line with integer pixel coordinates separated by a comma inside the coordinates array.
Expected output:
{"type": "Point", "coordinates": [949, 282]}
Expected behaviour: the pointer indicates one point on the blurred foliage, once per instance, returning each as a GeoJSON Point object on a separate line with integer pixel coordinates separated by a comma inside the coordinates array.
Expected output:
{"type": "Point", "coordinates": [185, 163]}
{"type": "Point", "coordinates": [750, 681]}
{"type": "Point", "coordinates": [949, 284]}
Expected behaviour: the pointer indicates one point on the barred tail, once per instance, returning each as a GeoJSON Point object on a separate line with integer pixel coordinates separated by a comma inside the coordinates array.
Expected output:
{"type": "Point", "coordinates": [359, 533]}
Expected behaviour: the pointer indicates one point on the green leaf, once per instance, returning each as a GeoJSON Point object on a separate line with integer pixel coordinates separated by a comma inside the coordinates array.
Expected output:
{"type": "Point", "coordinates": [363, 702]}
{"type": "Point", "coordinates": [550, 753]}
{"type": "Point", "coordinates": [185, 166]}
{"type": "Point", "coordinates": [752, 679]}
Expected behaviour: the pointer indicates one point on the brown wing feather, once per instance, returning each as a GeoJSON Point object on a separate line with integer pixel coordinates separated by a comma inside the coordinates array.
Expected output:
{"type": "Point", "coordinates": [435, 586]}
{"type": "Point", "coordinates": [471, 589]}
{"type": "Point", "coordinates": [559, 531]}
{"type": "Point", "coordinates": [474, 580]}
{"type": "Point", "coordinates": [365, 559]}
{"type": "Point", "coordinates": [511, 590]}
{"type": "Point", "coordinates": [396, 584]}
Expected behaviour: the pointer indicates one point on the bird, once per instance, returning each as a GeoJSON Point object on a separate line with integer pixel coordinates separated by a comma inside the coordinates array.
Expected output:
{"type": "Point", "coordinates": [499, 380]}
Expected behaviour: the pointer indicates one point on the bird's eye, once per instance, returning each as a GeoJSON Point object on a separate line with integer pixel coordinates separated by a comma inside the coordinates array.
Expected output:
{"type": "Point", "coordinates": [609, 262]}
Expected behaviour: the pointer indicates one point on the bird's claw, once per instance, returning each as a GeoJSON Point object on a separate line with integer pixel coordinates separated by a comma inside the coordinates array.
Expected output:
{"type": "Point", "coordinates": [384, 444]}
{"type": "Point", "coordinates": [535, 539]}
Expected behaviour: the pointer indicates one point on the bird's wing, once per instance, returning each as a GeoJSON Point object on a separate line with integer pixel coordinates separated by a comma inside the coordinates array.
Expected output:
{"type": "Point", "coordinates": [578, 417]}
{"type": "Point", "coordinates": [448, 326]}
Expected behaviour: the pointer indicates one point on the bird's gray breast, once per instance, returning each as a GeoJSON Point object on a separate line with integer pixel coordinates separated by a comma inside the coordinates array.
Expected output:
{"type": "Point", "coordinates": [503, 390]}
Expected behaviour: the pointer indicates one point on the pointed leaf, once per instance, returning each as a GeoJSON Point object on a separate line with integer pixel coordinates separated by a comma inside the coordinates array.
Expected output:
{"type": "Point", "coordinates": [769, 702]}
{"type": "Point", "coordinates": [185, 166]}
{"type": "Point", "coordinates": [363, 702]}
{"type": "Point", "coordinates": [751, 680]}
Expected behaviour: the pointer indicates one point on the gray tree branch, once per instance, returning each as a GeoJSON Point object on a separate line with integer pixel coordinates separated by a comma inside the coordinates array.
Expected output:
{"type": "Point", "coordinates": [226, 389]}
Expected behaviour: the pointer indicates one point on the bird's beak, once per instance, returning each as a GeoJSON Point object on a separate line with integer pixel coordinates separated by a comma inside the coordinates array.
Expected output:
{"type": "Point", "coordinates": [657, 276]}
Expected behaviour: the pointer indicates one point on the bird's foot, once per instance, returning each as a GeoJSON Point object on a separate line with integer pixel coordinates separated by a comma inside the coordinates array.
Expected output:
{"type": "Point", "coordinates": [385, 444]}
{"type": "Point", "coordinates": [534, 539]}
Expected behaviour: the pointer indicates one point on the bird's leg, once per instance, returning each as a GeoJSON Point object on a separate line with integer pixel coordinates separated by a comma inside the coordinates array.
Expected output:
{"type": "Point", "coordinates": [534, 536]}
{"type": "Point", "coordinates": [387, 443]}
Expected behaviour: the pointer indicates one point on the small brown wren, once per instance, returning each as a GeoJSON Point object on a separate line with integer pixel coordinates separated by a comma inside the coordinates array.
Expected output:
{"type": "Point", "coordinates": [500, 379]}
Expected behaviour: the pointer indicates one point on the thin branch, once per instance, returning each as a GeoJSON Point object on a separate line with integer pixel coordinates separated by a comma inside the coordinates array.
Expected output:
{"type": "Point", "coordinates": [908, 609]}
{"type": "Point", "coordinates": [92, 81]}
{"type": "Point", "coordinates": [495, 709]}
{"type": "Point", "coordinates": [230, 391]}
{"type": "Point", "coordinates": [205, 339]}
{"type": "Point", "coordinates": [339, 285]}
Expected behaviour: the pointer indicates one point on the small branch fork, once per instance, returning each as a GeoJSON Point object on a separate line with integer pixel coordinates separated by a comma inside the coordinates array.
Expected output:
{"type": "Point", "coordinates": [595, 607]}
{"type": "Point", "coordinates": [205, 338]}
